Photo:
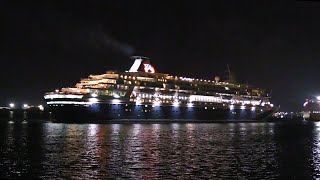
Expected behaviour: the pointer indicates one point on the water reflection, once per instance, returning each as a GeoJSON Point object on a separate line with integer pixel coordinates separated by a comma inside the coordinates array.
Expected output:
{"type": "Point", "coordinates": [161, 151]}
{"type": "Point", "coordinates": [316, 150]}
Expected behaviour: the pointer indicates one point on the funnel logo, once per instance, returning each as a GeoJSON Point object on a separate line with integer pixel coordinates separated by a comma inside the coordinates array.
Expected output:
{"type": "Point", "coordinates": [148, 68]}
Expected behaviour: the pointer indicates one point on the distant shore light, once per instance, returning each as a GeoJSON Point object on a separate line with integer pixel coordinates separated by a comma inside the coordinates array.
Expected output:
{"type": "Point", "coordinates": [41, 107]}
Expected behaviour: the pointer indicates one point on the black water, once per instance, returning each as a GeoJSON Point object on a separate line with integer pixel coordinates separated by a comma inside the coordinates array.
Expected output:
{"type": "Point", "coordinates": [160, 151]}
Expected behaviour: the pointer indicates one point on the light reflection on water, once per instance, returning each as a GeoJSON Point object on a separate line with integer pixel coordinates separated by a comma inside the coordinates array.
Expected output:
{"type": "Point", "coordinates": [316, 149]}
{"type": "Point", "coordinates": [143, 151]}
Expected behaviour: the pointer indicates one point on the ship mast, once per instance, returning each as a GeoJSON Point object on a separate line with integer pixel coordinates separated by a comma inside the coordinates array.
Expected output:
{"type": "Point", "coordinates": [231, 78]}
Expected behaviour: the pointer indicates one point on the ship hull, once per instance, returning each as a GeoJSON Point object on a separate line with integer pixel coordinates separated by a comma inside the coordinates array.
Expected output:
{"type": "Point", "coordinates": [312, 117]}
{"type": "Point", "coordinates": [148, 113]}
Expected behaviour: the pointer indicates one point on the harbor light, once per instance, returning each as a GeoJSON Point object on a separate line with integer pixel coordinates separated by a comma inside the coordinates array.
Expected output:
{"type": "Point", "coordinates": [243, 107]}
{"type": "Point", "coordinates": [41, 107]}
{"type": "Point", "coordinates": [11, 105]}
{"type": "Point", "coordinates": [318, 97]}
{"type": "Point", "coordinates": [25, 106]}
{"type": "Point", "coordinates": [94, 95]}
{"type": "Point", "coordinates": [231, 107]}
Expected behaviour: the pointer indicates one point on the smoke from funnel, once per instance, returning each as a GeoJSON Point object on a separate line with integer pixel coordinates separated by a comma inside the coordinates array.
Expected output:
{"type": "Point", "coordinates": [119, 46]}
{"type": "Point", "coordinates": [103, 40]}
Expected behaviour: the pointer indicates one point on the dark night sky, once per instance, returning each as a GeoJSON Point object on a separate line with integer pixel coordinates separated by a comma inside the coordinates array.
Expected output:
{"type": "Point", "coordinates": [48, 45]}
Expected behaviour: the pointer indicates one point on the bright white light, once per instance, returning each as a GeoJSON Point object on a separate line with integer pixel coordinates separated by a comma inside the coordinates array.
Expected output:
{"type": "Point", "coordinates": [25, 106]}
{"type": "Point", "coordinates": [271, 105]}
{"type": "Point", "coordinates": [94, 95]}
{"type": "Point", "coordinates": [11, 105]}
{"type": "Point", "coordinates": [255, 103]}
{"type": "Point", "coordinates": [231, 107]}
{"type": "Point", "coordinates": [305, 103]}
{"type": "Point", "coordinates": [262, 104]}
{"type": "Point", "coordinates": [176, 103]}
{"type": "Point", "coordinates": [190, 104]}
{"type": "Point", "coordinates": [57, 90]}
{"type": "Point", "coordinates": [93, 100]}
{"type": "Point", "coordinates": [253, 108]}
{"type": "Point", "coordinates": [115, 101]}
{"type": "Point", "coordinates": [318, 97]}
{"type": "Point", "coordinates": [243, 107]}
{"type": "Point", "coordinates": [156, 103]}
{"type": "Point", "coordinates": [138, 101]}
{"type": "Point", "coordinates": [116, 96]}
{"type": "Point", "coordinates": [41, 107]}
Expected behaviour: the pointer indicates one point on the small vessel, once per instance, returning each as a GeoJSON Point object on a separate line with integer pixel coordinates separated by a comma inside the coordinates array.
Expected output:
{"type": "Point", "coordinates": [311, 109]}
{"type": "Point", "coordinates": [142, 94]}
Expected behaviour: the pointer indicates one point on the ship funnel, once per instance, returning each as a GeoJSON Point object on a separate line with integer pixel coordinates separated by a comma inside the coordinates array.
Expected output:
{"type": "Point", "coordinates": [141, 64]}
{"type": "Point", "coordinates": [135, 66]}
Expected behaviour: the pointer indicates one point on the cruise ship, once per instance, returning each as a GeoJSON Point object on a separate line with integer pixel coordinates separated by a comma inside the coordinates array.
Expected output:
{"type": "Point", "coordinates": [143, 94]}
{"type": "Point", "coordinates": [311, 109]}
